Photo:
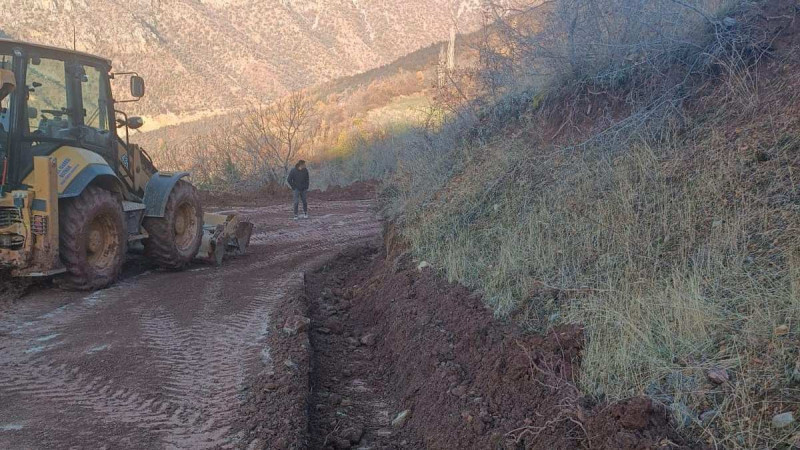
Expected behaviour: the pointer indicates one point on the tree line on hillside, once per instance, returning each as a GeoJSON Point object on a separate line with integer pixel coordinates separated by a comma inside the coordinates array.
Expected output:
{"type": "Point", "coordinates": [254, 148]}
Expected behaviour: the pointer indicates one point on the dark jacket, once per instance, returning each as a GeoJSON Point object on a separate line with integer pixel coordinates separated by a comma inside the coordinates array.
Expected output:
{"type": "Point", "coordinates": [298, 179]}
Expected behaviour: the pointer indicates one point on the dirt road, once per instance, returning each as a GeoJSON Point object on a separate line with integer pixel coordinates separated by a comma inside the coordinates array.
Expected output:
{"type": "Point", "coordinates": [161, 359]}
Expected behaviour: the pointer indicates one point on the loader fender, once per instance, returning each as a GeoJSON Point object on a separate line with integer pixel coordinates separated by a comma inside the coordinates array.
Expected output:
{"type": "Point", "coordinates": [94, 174]}
{"type": "Point", "coordinates": [77, 168]}
{"type": "Point", "coordinates": [157, 191]}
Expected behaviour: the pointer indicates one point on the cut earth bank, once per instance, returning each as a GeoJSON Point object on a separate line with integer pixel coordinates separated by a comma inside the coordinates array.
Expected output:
{"type": "Point", "coordinates": [378, 351]}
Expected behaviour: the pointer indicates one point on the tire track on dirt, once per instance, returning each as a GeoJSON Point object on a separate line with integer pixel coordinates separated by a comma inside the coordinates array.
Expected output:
{"type": "Point", "coordinates": [102, 396]}
{"type": "Point", "coordinates": [162, 359]}
{"type": "Point", "coordinates": [206, 364]}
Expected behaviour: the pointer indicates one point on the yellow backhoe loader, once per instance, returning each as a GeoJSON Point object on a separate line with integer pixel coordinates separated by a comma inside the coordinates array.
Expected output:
{"type": "Point", "coordinates": [75, 194]}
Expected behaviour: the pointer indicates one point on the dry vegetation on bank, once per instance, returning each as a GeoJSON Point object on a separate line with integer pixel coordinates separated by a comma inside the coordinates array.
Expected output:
{"type": "Point", "coordinates": [632, 167]}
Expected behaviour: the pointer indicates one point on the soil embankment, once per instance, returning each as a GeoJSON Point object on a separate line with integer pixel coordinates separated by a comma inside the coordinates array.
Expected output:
{"type": "Point", "coordinates": [273, 195]}
{"type": "Point", "coordinates": [399, 358]}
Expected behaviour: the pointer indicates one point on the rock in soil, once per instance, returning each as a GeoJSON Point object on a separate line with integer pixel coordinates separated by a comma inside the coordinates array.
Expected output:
{"type": "Point", "coordinates": [368, 340]}
{"type": "Point", "coordinates": [401, 419]}
{"type": "Point", "coordinates": [708, 416]}
{"type": "Point", "coordinates": [334, 325]}
{"type": "Point", "coordinates": [353, 434]}
{"type": "Point", "coordinates": [295, 325]}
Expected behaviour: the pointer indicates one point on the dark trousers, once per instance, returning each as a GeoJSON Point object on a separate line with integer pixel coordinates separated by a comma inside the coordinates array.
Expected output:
{"type": "Point", "coordinates": [300, 195]}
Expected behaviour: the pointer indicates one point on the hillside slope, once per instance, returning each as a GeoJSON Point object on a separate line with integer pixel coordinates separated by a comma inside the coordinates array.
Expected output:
{"type": "Point", "coordinates": [657, 210]}
{"type": "Point", "coordinates": [205, 55]}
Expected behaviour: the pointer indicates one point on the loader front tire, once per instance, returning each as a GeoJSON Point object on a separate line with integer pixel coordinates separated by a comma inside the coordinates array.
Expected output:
{"type": "Point", "coordinates": [175, 238]}
{"type": "Point", "coordinates": [93, 239]}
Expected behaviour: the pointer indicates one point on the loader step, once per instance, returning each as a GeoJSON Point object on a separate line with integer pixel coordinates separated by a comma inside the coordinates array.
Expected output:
{"type": "Point", "coordinates": [137, 237]}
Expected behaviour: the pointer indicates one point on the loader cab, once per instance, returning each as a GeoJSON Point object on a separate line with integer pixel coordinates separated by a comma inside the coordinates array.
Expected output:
{"type": "Point", "coordinates": [62, 98]}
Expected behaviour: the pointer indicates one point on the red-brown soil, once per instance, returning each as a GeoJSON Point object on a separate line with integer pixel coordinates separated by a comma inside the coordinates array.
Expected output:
{"type": "Point", "coordinates": [386, 338]}
{"type": "Point", "coordinates": [276, 413]}
{"type": "Point", "coordinates": [167, 359]}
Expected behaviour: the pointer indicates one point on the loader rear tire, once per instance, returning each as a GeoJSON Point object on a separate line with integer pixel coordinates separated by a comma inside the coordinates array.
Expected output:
{"type": "Point", "coordinates": [175, 238]}
{"type": "Point", "coordinates": [93, 239]}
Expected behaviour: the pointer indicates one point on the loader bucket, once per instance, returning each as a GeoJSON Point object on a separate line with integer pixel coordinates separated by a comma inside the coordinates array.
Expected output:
{"type": "Point", "coordinates": [223, 234]}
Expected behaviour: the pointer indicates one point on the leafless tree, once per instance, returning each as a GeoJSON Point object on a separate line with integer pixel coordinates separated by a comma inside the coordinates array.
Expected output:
{"type": "Point", "coordinates": [275, 134]}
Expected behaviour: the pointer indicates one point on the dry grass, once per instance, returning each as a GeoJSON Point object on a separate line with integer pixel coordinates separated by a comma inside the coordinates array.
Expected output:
{"type": "Point", "coordinates": [668, 274]}
{"type": "Point", "coordinates": [671, 236]}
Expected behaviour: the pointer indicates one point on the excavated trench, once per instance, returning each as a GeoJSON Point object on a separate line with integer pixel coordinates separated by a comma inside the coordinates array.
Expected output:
{"type": "Point", "coordinates": [377, 354]}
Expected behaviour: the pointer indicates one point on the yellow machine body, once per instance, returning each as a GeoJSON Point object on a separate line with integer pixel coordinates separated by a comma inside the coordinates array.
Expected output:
{"type": "Point", "coordinates": [56, 154]}
{"type": "Point", "coordinates": [73, 163]}
{"type": "Point", "coordinates": [29, 223]}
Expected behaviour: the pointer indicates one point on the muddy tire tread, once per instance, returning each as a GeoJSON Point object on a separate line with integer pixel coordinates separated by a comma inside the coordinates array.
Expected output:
{"type": "Point", "coordinates": [73, 218]}
{"type": "Point", "coordinates": [160, 246]}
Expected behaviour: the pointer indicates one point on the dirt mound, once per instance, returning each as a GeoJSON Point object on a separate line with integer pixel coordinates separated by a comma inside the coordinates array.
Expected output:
{"type": "Point", "coordinates": [360, 190]}
{"type": "Point", "coordinates": [636, 423]}
{"type": "Point", "coordinates": [276, 415]}
{"type": "Point", "coordinates": [403, 359]}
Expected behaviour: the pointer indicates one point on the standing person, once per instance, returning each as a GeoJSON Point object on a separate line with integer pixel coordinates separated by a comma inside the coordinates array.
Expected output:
{"type": "Point", "coordinates": [298, 181]}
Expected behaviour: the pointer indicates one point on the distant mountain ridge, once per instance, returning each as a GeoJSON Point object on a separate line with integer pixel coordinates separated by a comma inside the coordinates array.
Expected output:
{"type": "Point", "coordinates": [208, 55]}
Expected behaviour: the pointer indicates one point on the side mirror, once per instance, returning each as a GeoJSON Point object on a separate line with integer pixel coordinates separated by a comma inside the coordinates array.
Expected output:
{"type": "Point", "coordinates": [137, 86]}
{"type": "Point", "coordinates": [33, 113]}
{"type": "Point", "coordinates": [134, 123]}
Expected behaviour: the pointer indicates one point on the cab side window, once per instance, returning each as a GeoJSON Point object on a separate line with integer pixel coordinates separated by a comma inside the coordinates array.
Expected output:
{"type": "Point", "coordinates": [7, 84]}
{"type": "Point", "coordinates": [95, 99]}
{"type": "Point", "coordinates": [48, 100]}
